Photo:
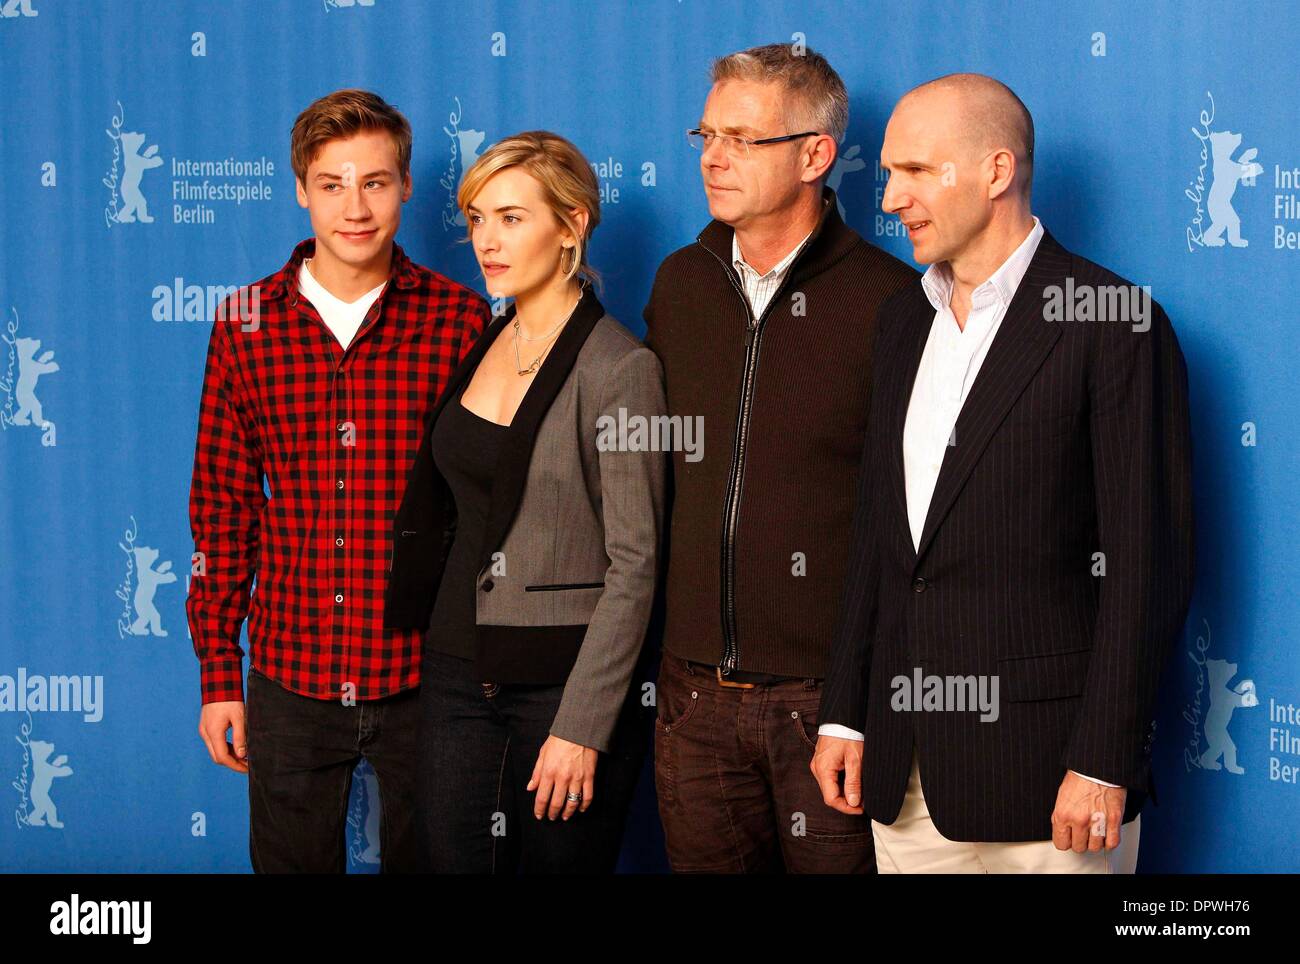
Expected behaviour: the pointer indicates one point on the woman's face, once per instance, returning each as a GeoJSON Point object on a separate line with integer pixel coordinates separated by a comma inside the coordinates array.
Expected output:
{"type": "Point", "coordinates": [517, 238]}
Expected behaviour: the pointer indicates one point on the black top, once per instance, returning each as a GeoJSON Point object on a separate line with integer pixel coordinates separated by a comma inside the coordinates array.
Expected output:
{"type": "Point", "coordinates": [533, 655]}
{"type": "Point", "coordinates": [465, 449]}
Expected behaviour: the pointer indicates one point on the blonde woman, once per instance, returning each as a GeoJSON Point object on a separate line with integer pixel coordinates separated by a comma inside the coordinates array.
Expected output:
{"type": "Point", "coordinates": [527, 543]}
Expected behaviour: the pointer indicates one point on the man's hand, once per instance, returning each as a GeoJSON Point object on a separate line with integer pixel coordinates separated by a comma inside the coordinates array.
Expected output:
{"type": "Point", "coordinates": [215, 719]}
{"type": "Point", "coordinates": [1087, 815]}
{"type": "Point", "coordinates": [836, 755]}
{"type": "Point", "coordinates": [563, 768]}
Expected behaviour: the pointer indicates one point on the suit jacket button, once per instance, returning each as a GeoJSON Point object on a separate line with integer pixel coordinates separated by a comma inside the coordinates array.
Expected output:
{"type": "Point", "coordinates": [919, 584]}
{"type": "Point", "coordinates": [487, 585]}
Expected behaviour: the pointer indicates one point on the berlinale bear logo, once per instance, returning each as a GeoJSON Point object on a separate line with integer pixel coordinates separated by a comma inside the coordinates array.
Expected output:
{"type": "Point", "coordinates": [43, 812]}
{"type": "Point", "coordinates": [1227, 175]}
{"type": "Point", "coordinates": [1223, 702]}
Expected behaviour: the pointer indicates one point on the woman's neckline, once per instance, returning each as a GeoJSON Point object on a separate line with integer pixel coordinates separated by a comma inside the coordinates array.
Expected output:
{"type": "Point", "coordinates": [459, 401]}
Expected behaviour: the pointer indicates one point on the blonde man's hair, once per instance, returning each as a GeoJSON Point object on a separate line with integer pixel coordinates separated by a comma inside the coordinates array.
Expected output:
{"type": "Point", "coordinates": [815, 96]}
{"type": "Point", "coordinates": [566, 178]}
{"type": "Point", "coordinates": [340, 115]}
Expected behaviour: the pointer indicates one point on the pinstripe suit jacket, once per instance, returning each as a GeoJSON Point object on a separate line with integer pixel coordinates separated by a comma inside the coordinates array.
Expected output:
{"type": "Point", "coordinates": [571, 555]}
{"type": "Point", "coordinates": [1074, 440]}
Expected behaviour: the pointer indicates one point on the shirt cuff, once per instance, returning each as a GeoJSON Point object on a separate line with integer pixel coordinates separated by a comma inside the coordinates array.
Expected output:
{"type": "Point", "coordinates": [835, 729]}
{"type": "Point", "coordinates": [222, 680]}
{"type": "Point", "coordinates": [1094, 779]}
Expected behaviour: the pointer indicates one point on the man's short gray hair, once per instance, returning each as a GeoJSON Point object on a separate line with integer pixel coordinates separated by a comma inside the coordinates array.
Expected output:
{"type": "Point", "coordinates": [815, 96]}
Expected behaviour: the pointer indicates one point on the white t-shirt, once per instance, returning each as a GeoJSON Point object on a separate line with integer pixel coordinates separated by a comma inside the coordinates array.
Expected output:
{"type": "Point", "coordinates": [341, 317]}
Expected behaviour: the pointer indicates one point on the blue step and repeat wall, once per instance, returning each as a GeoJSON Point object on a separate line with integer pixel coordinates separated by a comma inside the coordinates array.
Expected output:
{"type": "Point", "coordinates": [1161, 127]}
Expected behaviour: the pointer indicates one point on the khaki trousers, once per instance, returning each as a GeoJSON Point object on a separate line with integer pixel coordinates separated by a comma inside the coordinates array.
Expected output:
{"type": "Point", "coordinates": [912, 845]}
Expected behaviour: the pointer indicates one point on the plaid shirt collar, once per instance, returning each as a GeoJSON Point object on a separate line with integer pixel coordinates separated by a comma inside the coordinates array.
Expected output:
{"type": "Point", "coordinates": [284, 283]}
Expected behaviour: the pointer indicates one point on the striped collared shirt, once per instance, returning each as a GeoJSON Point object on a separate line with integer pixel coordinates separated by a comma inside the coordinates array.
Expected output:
{"type": "Point", "coordinates": [759, 288]}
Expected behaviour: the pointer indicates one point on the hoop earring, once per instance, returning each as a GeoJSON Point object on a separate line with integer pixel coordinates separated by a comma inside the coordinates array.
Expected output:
{"type": "Point", "coordinates": [573, 261]}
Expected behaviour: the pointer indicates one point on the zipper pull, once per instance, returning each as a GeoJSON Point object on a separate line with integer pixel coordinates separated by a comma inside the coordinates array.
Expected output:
{"type": "Point", "coordinates": [749, 334]}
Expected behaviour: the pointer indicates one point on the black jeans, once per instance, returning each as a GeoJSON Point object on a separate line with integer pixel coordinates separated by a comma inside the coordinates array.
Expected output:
{"type": "Point", "coordinates": [478, 746]}
{"type": "Point", "coordinates": [301, 753]}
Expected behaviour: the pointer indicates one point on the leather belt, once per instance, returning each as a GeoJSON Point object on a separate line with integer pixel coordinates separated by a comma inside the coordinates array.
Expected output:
{"type": "Point", "coordinates": [742, 679]}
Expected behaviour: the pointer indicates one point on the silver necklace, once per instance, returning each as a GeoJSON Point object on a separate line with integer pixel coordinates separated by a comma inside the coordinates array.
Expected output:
{"type": "Point", "coordinates": [536, 363]}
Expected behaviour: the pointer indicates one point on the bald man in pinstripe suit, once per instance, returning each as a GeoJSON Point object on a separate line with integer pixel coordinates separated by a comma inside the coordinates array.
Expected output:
{"type": "Point", "coordinates": [1023, 527]}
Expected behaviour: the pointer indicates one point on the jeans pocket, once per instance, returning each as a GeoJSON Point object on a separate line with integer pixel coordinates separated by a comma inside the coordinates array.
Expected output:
{"type": "Point", "coordinates": [805, 724]}
{"type": "Point", "coordinates": [676, 703]}
{"type": "Point", "coordinates": [674, 717]}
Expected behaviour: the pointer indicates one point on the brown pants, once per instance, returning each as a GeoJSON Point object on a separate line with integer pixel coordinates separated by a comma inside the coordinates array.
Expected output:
{"type": "Point", "coordinates": [735, 791]}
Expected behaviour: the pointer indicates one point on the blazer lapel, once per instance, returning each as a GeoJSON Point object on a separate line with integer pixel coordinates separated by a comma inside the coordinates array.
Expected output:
{"type": "Point", "coordinates": [512, 466]}
{"type": "Point", "coordinates": [1023, 340]}
{"type": "Point", "coordinates": [916, 327]}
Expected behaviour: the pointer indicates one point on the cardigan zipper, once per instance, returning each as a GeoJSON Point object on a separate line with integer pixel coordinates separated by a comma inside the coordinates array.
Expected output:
{"type": "Point", "coordinates": [731, 505]}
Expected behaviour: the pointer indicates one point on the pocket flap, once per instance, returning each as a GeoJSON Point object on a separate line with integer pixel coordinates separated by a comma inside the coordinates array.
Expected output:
{"type": "Point", "coordinates": [1044, 676]}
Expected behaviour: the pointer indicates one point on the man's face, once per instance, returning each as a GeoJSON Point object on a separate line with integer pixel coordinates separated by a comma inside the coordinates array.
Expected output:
{"type": "Point", "coordinates": [740, 189]}
{"type": "Point", "coordinates": [937, 184]}
{"type": "Point", "coordinates": [354, 197]}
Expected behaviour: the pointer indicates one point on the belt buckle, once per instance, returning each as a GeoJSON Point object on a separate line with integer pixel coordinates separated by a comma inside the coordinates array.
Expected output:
{"type": "Point", "coordinates": [739, 686]}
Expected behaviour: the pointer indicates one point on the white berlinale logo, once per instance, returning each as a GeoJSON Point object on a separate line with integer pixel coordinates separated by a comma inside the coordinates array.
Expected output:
{"type": "Point", "coordinates": [465, 146]}
{"type": "Point", "coordinates": [1225, 172]}
{"type": "Point", "coordinates": [127, 204]}
{"type": "Point", "coordinates": [1211, 710]}
{"type": "Point", "coordinates": [20, 405]}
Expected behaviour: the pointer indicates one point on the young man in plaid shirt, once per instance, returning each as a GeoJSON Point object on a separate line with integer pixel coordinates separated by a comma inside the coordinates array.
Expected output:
{"type": "Point", "coordinates": [320, 391]}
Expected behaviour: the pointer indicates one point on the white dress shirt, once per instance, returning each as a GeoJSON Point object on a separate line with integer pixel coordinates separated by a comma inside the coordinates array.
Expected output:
{"type": "Point", "coordinates": [344, 318]}
{"type": "Point", "coordinates": [759, 288]}
{"type": "Point", "coordinates": [949, 364]}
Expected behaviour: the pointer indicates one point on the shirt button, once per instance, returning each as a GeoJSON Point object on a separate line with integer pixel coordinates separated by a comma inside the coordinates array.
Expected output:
{"type": "Point", "coordinates": [338, 542]}
{"type": "Point", "coordinates": [338, 598]}
{"type": "Point", "coordinates": [487, 585]}
{"type": "Point", "coordinates": [919, 584]}
{"type": "Point", "coordinates": [340, 483]}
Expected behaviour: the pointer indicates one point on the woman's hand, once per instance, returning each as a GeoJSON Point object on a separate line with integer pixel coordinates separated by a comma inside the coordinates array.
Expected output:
{"type": "Point", "coordinates": [562, 768]}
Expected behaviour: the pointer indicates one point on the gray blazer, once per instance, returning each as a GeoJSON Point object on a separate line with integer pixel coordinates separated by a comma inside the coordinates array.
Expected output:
{"type": "Point", "coordinates": [571, 555]}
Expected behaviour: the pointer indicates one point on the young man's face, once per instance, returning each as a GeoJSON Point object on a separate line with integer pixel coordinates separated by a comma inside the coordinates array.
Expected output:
{"type": "Point", "coordinates": [354, 196]}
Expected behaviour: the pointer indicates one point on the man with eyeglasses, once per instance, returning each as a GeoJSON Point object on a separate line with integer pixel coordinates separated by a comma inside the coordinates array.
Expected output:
{"type": "Point", "coordinates": [765, 327]}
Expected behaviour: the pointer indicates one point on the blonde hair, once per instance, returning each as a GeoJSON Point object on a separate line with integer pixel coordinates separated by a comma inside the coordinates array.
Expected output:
{"type": "Point", "coordinates": [566, 178]}
{"type": "Point", "coordinates": [340, 115]}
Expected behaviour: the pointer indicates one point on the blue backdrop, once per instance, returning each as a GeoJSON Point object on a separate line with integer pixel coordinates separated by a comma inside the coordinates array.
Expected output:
{"type": "Point", "coordinates": [1154, 123]}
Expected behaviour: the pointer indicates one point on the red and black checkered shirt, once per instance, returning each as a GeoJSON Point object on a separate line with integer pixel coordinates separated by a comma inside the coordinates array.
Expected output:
{"type": "Point", "coordinates": [333, 433]}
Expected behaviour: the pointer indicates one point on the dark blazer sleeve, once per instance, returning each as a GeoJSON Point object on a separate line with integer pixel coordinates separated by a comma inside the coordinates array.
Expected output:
{"type": "Point", "coordinates": [1141, 450]}
{"type": "Point", "coordinates": [844, 692]}
{"type": "Point", "coordinates": [423, 528]}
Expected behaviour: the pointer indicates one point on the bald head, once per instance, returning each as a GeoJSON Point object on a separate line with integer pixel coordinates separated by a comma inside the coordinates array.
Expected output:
{"type": "Point", "coordinates": [986, 114]}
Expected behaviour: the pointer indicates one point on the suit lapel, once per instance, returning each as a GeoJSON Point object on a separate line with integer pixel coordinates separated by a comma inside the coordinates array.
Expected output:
{"type": "Point", "coordinates": [512, 467]}
{"type": "Point", "coordinates": [916, 330]}
{"type": "Point", "coordinates": [1021, 344]}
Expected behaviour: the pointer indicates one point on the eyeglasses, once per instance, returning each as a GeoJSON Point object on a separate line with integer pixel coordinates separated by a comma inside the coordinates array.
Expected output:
{"type": "Point", "coordinates": [735, 145]}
